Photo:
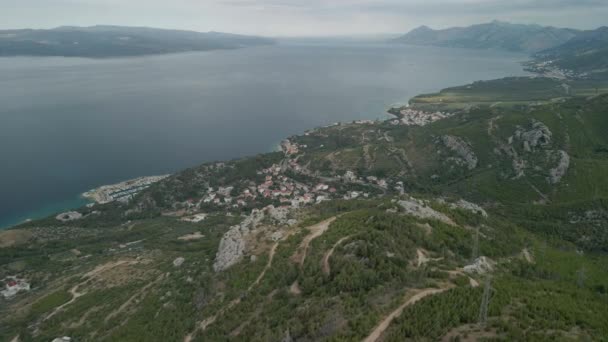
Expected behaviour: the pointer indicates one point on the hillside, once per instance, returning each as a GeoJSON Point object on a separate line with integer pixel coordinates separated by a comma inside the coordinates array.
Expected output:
{"type": "Point", "coordinates": [488, 222]}
{"type": "Point", "coordinates": [585, 55]}
{"type": "Point", "coordinates": [116, 41]}
{"type": "Point", "coordinates": [510, 92]}
{"type": "Point", "coordinates": [494, 35]}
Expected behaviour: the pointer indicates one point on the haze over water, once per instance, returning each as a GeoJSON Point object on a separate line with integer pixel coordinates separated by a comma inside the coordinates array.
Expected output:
{"type": "Point", "coordinates": [68, 125]}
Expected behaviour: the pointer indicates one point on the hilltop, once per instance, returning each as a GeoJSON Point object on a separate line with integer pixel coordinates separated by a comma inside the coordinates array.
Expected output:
{"type": "Point", "coordinates": [116, 41]}
{"type": "Point", "coordinates": [494, 35]}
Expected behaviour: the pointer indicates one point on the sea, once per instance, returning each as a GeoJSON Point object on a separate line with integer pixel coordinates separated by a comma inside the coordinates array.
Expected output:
{"type": "Point", "coordinates": [68, 125]}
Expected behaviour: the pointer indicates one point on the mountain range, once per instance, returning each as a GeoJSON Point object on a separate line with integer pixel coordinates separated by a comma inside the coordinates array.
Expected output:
{"type": "Point", "coordinates": [585, 53]}
{"type": "Point", "coordinates": [116, 41]}
{"type": "Point", "coordinates": [494, 35]}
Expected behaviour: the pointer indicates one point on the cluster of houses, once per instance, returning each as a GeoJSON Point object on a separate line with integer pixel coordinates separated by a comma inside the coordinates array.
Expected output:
{"type": "Point", "coordinates": [548, 69]}
{"type": "Point", "coordinates": [287, 191]}
{"type": "Point", "coordinates": [415, 117]}
{"type": "Point", "coordinates": [195, 219]}
{"type": "Point", "coordinates": [290, 148]}
{"type": "Point", "coordinates": [13, 285]}
{"type": "Point", "coordinates": [351, 177]}
{"type": "Point", "coordinates": [275, 184]}
{"type": "Point", "coordinates": [222, 196]}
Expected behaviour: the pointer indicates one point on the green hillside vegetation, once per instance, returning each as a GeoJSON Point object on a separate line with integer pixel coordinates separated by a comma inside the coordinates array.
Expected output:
{"type": "Point", "coordinates": [508, 92]}
{"type": "Point", "coordinates": [372, 269]}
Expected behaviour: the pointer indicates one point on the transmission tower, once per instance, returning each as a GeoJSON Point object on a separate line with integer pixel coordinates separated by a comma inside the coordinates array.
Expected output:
{"type": "Point", "coordinates": [485, 302]}
{"type": "Point", "coordinates": [581, 277]}
{"type": "Point", "coordinates": [475, 251]}
{"type": "Point", "coordinates": [542, 249]}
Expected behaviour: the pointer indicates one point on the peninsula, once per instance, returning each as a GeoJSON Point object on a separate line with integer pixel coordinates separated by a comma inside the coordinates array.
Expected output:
{"type": "Point", "coordinates": [122, 191]}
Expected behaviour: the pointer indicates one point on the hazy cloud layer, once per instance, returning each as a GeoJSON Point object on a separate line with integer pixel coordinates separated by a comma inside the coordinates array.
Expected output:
{"type": "Point", "coordinates": [300, 17]}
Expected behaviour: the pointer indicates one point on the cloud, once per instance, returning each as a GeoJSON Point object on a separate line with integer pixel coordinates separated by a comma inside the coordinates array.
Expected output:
{"type": "Point", "coordinates": [441, 5]}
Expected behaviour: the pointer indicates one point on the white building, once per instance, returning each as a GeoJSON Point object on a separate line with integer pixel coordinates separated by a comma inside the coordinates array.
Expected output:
{"type": "Point", "coordinates": [13, 286]}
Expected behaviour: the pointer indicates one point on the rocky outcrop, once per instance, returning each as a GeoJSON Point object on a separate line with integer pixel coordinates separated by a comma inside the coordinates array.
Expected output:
{"type": "Point", "coordinates": [519, 165]}
{"type": "Point", "coordinates": [557, 173]}
{"type": "Point", "coordinates": [287, 337]}
{"type": "Point", "coordinates": [69, 216]}
{"type": "Point", "coordinates": [462, 149]}
{"type": "Point", "coordinates": [232, 246]}
{"type": "Point", "coordinates": [481, 265]}
{"type": "Point", "coordinates": [420, 209]}
{"type": "Point", "coordinates": [62, 339]}
{"type": "Point", "coordinates": [281, 214]}
{"type": "Point", "coordinates": [468, 206]}
{"type": "Point", "coordinates": [517, 162]}
{"type": "Point", "coordinates": [538, 136]}
{"type": "Point", "coordinates": [589, 216]}
{"type": "Point", "coordinates": [178, 262]}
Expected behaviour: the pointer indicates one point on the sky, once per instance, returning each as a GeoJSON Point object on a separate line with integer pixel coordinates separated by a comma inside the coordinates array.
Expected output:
{"type": "Point", "coordinates": [300, 17]}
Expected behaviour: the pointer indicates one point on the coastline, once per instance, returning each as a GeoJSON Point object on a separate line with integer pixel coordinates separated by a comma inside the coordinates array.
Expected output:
{"type": "Point", "coordinates": [121, 191]}
{"type": "Point", "coordinates": [103, 194]}
{"type": "Point", "coordinates": [81, 200]}
{"type": "Point", "coordinates": [45, 211]}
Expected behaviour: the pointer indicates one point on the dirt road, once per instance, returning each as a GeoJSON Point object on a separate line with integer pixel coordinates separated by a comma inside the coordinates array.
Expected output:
{"type": "Point", "coordinates": [325, 266]}
{"type": "Point", "coordinates": [315, 231]}
{"type": "Point", "coordinates": [418, 295]}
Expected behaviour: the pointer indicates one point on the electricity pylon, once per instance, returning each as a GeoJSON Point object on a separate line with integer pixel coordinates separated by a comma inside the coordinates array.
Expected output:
{"type": "Point", "coordinates": [485, 302]}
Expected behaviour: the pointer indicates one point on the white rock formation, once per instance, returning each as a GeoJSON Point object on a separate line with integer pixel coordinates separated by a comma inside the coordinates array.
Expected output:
{"type": "Point", "coordinates": [538, 136]}
{"type": "Point", "coordinates": [69, 216]}
{"type": "Point", "coordinates": [481, 265]}
{"type": "Point", "coordinates": [276, 236]}
{"type": "Point", "coordinates": [232, 246]}
{"type": "Point", "coordinates": [280, 214]}
{"type": "Point", "coordinates": [62, 339]}
{"type": "Point", "coordinates": [472, 207]}
{"type": "Point", "coordinates": [178, 262]}
{"type": "Point", "coordinates": [420, 209]}
{"type": "Point", "coordinates": [462, 149]}
{"type": "Point", "coordinates": [556, 174]}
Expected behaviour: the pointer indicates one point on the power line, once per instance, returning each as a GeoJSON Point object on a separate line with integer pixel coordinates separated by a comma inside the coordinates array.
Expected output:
{"type": "Point", "coordinates": [485, 302]}
{"type": "Point", "coordinates": [475, 251]}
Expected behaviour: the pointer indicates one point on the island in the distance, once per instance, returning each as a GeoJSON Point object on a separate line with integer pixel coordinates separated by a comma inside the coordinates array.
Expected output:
{"type": "Point", "coordinates": [117, 41]}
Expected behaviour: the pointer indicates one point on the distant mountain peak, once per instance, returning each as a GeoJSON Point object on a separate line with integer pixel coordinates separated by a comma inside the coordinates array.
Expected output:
{"type": "Point", "coordinates": [493, 35]}
{"type": "Point", "coordinates": [423, 28]}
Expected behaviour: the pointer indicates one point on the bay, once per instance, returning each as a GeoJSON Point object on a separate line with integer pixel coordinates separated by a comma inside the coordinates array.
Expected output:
{"type": "Point", "coordinates": [69, 124]}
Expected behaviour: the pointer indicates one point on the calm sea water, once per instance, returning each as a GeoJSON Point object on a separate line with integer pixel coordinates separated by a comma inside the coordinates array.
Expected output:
{"type": "Point", "coordinates": [68, 125]}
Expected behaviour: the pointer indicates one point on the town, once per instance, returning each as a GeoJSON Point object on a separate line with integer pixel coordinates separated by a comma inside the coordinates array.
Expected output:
{"type": "Point", "coordinates": [276, 186]}
{"type": "Point", "coordinates": [549, 70]}
{"type": "Point", "coordinates": [412, 117]}
{"type": "Point", "coordinates": [121, 191]}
